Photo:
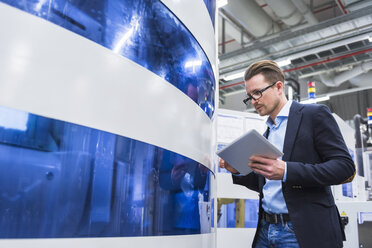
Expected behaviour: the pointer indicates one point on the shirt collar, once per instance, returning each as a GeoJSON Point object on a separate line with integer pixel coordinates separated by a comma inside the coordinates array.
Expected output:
{"type": "Point", "coordinates": [285, 110]}
{"type": "Point", "coordinates": [284, 113]}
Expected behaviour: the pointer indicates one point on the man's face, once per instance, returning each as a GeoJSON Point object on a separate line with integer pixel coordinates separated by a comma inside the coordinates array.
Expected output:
{"type": "Point", "coordinates": [270, 98]}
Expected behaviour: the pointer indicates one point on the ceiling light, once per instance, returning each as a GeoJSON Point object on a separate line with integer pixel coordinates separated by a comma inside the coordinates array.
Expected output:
{"type": "Point", "coordinates": [370, 38]}
{"type": "Point", "coordinates": [234, 76]}
{"type": "Point", "coordinates": [193, 63]}
{"type": "Point", "coordinates": [317, 99]}
{"type": "Point", "coordinates": [282, 63]}
{"type": "Point", "coordinates": [221, 3]}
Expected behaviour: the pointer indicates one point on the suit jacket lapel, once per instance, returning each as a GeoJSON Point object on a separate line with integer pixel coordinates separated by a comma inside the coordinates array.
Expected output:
{"type": "Point", "coordinates": [293, 124]}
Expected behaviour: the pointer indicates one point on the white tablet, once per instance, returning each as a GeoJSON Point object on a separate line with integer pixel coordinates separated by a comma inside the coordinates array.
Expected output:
{"type": "Point", "coordinates": [237, 153]}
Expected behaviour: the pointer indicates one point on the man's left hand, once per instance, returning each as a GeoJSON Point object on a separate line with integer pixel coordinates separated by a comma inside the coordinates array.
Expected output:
{"type": "Point", "coordinates": [272, 169]}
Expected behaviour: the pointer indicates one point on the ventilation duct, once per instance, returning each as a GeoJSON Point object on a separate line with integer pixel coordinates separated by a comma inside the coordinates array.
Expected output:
{"type": "Point", "coordinates": [343, 77]}
{"type": "Point", "coordinates": [286, 11]}
{"type": "Point", "coordinates": [305, 11]}
{"type": "Point", "coordinates": [252, 17]}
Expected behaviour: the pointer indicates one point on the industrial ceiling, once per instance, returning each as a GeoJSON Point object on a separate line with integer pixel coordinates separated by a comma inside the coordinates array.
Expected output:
{"type": "Point", "coordinates": [326, 42]}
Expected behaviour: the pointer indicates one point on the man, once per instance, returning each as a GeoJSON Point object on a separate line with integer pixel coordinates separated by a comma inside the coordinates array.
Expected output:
{"type": "Point", "coordinates": [296, 206]}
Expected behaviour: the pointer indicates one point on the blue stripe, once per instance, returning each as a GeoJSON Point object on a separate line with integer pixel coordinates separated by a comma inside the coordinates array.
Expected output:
{"type": "Point", "coordinates": [144, 31]}
{"type": "Point", "coordinates": [59, 179]}
{"type": "Point", "coordinates": [211, 6]}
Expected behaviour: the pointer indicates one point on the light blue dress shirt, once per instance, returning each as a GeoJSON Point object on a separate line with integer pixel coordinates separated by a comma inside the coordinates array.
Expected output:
{"type": "Point", "coordinates": [273, 200]}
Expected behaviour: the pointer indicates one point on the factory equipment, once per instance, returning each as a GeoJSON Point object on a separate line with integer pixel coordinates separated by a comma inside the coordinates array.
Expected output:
{"type": "Point", "coordinates": [237, 207]}
{"type": "Point", "coordinates": [293, 89]}
{"type": "Point", "coordinates": [237, 228]}
{"type": "Point", "coordinates": [354, 198]}
{"type": "Point", "coordinates": [363, 147]}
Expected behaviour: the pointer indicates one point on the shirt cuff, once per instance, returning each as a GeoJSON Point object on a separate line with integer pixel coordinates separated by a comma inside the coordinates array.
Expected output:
{"type": "Point", "coordinates": [285, 173]}
{"type": "Point", "coordinates": [237, 175]}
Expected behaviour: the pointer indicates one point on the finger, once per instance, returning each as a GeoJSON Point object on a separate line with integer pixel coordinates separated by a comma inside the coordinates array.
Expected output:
{"type": "Point", "coordinates": [259, 171]}
{"type": "Point", "coordinates": [259, 166]}
{"type": "Point", "coordinates": [261, 160]}
{"type": "Point", "coordinates": [229, 168]}
{"type": "Point", "coordinates": [263, 170]}
{"type": "Point", "coordinates": [221, 163]}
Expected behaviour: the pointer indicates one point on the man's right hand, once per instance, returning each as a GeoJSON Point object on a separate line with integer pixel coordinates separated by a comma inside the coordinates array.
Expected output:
{"type": "Point", "coordinates": [223, 164]}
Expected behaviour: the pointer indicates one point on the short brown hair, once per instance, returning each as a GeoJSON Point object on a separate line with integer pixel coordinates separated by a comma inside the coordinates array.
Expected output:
{"type": "Point", "coordinates": [268, 68]}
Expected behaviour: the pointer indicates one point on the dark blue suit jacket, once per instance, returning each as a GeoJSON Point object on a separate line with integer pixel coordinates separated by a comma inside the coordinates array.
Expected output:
{"type": "Point", "coordinates": [316, 157]}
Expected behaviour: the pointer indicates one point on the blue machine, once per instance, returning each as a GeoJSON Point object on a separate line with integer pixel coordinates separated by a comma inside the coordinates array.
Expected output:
{"type": "Point", "coordinates": [59, 179]}
{"type": "Point", "coordinates": [158, 40]}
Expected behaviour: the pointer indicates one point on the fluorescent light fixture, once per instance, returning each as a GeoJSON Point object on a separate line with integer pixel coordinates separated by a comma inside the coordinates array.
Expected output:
{"type": "Point", "coordinates": [39, 5]}
{"type": "Point", "coordinates": [317, 99]}
{"type": "Point", "coordinates": [370, 38]}
{"type": "Point", "coordinates": [134, 23]}
{"type": "Point", "coordinates": [322, 99]}
{"type": "Point", "coordinates": [234, 76]}
{"type": "Point", "coordinates": [193, 63]}
{"type": "Point", "coordinates": [119, 45]}
{"type": "Point", "coordinates": [282, 63]}
{"type": "Point", "coordinates": [221, 3]}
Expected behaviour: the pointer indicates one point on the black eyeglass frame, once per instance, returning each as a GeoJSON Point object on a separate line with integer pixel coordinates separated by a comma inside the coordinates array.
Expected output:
{"type": "Point", "coordinates": [250, 97]}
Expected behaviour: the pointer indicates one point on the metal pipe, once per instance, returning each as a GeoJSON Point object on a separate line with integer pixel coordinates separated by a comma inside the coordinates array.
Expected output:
{"type": "Point", "coordinates": [344, 76]}
{"type": "Point", "coordinates": [305, 11]}
{"type": "Point", "coordinates": [329, 60]}
{"type": "Point", "coordinates": [359, 144]}
{"type": "Point", "coordinates": [309, 65]}
{"type": "Point", "coordinates": [289, 34]}
{"type": "Point", "coordinates": [223, 35]}
{"type": "Point", "coordinates": [286, 11]}
{"type": "Point", "coordinates": [341, 6]}
{"type": "Point", "coordinates": [226, 42]}
{"type": "Point", "coordinates": [296, 86]}
{"type": "Point", "coordinates": [327, 44]}
{"type": "Point", "coordinates": [251, 17]}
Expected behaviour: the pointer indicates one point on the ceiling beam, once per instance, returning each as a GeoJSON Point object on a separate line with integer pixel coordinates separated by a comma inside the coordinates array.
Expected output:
{"type": "Point", "coordinates": [288, 34]}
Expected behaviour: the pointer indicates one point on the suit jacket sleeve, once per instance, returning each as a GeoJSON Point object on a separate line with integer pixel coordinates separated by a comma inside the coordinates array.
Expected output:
{"type": "Point", "coordinates": [250, 181]}
{"type": "Point", "coordinates": [334, 164]}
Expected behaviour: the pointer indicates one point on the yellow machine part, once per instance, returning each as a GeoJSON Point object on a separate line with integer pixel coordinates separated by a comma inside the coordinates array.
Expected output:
{"type": "Point", "coordinates": [239, 209]}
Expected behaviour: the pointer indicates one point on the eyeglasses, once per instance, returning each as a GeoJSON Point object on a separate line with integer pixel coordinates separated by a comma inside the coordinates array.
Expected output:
{"type": "Point", "coordinates": [257, 94]}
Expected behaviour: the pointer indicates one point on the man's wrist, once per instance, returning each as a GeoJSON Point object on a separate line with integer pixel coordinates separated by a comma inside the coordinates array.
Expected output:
{"type": "Point", "coordinates": [285, 172]}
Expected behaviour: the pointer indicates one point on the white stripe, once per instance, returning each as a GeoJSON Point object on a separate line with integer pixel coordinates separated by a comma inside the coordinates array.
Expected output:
{"type": "Point", "coordinates": [181, 241]}
{"type": "Point", "coordinates": [194, 15]}
{"type": "Point", "coordinates": [50, 71]}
